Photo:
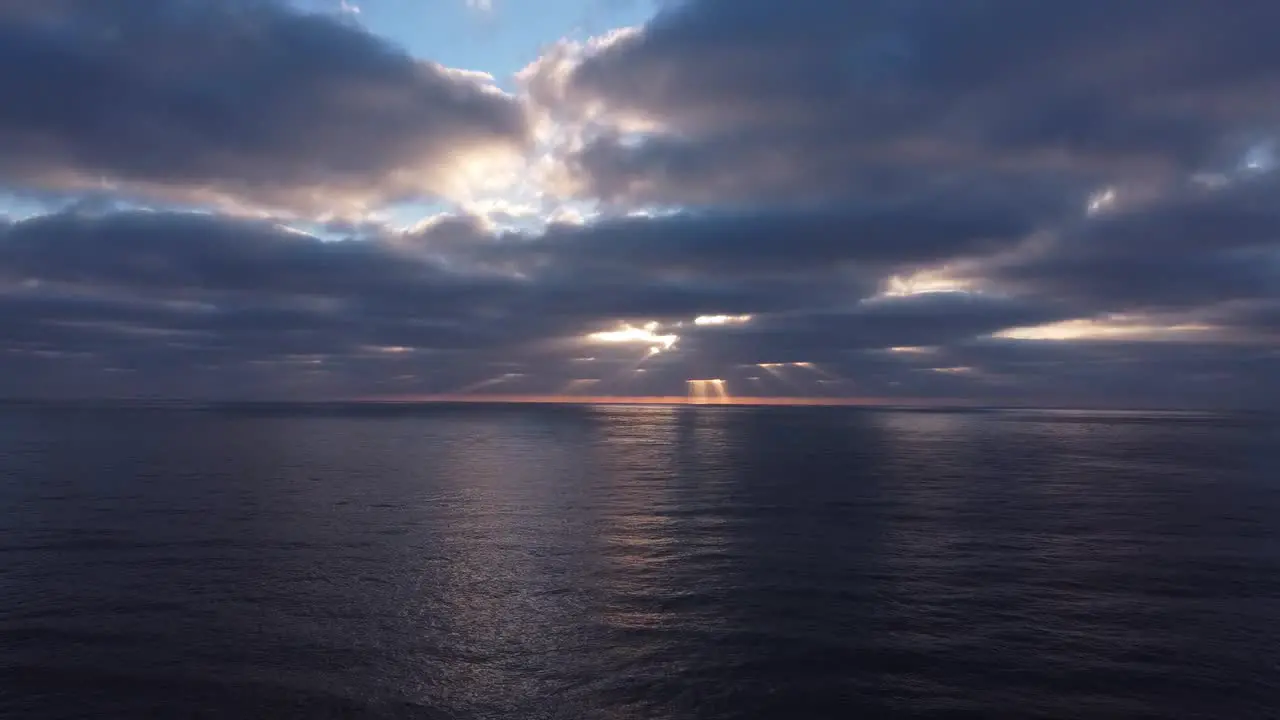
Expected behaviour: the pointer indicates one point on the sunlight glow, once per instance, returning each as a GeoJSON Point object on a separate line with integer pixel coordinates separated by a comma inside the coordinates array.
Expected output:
{"type": "Point", "coordinates": [1118, 327]}
{"type": "Point", "coordinates": [1101, 201]}
{"type": "Point", "coordinates": [804, 365]}
{"type": "Point", "coordinates": [705, 391]}
{"type": "Point", "coordinates": [1260, 158]}
{"type": "Point", "coordinates": [925, 282]}
{"type": "Point", "coordinates": [722, 320]}
{"type": "Point", "coordinates": [388, 349]}
{"type": "Point", "coordinates": [648, 335]}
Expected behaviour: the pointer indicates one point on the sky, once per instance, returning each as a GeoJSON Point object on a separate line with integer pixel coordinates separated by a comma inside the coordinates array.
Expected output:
{"type": "Point", "coordinates": [963, 201]}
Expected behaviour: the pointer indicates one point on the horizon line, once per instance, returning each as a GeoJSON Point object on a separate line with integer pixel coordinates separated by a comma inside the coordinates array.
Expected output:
{"type": "Point", "coordinates": [657, 400]}
{"type": "Point", "coordinates": [653, 400]}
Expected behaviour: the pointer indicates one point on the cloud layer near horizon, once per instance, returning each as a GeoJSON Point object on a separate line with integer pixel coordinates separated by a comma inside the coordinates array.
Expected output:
{"type": "Point", "coordinates": [1071, 203]}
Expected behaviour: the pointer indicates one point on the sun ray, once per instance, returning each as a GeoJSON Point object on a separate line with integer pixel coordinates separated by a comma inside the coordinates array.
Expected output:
{"type": "Point", "coordinates": [577, 385]}
{"type": "Point", "coordinates": [713, 390]}
{"type": "Point", "coordinates": [630, 371]}
{"type": "Point", "coordinates": [629, 374]}
{"type": "Point", "coordinates": [498, 380]}
{"type": "Point", "coordinates": [814, 367]}
{"type": "Point", "coordinates": [775, 369]}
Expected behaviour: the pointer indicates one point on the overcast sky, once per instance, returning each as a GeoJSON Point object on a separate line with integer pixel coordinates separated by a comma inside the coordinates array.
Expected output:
{"type": "Point", "coordinates": [989, 201]}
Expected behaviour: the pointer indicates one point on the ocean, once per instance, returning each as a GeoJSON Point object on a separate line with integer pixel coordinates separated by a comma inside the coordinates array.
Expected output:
{"type": "Point", "coordinates": [525, 562]}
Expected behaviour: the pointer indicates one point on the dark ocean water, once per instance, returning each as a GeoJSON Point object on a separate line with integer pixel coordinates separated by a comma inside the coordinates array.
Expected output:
{"type": "Point", "coordinates": [614, 562]}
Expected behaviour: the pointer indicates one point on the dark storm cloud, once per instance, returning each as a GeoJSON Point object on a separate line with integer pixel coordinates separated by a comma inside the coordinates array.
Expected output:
{"type": "Point", "coordinates": [756, 97]}
{"type": "Point", "coordinates": [242, 101]}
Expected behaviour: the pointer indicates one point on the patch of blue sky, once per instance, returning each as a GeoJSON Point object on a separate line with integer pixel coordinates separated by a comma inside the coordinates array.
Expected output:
{"type": "Point", "coordinates": [498, 37]}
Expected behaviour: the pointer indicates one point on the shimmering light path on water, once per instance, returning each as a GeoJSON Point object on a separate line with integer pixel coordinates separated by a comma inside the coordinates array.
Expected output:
{"type": "Point", "coordinates": [637, 562]}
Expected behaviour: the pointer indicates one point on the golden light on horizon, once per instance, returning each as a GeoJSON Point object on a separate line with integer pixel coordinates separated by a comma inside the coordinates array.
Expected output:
{"type": "Point", "coordinates": [709, 390]}
{"type": "Point", "coordinates": [662, 400]}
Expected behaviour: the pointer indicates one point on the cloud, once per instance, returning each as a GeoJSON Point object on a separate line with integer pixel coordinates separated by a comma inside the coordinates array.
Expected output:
{"type": "Point", "coordinates": [157, 290]}
{"type": "Point", "coordinates": [235, 103]}
{"type": "Point", "coordinates": [1191, 246]}
{"type": "Point", "coordinates": [829, 335]}
{"type": "Point", "coordinates": [1058, 202]}
{"type": "Point", "coordinates": [211, 306]}
{"type": "Point", "coordinates": [745, 99]}
{"type": "Point", "coordinates": [764, 241]}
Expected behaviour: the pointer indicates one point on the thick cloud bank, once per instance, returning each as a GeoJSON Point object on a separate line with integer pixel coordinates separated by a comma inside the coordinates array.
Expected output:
{"type": "Point", "coordinates": [988, 200]}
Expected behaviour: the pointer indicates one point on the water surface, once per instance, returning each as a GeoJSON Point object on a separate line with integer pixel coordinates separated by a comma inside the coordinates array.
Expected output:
{"type": "Point", "coordinates": [637, 562]}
